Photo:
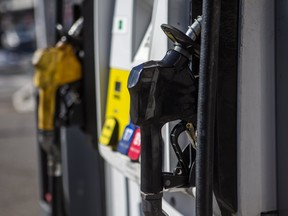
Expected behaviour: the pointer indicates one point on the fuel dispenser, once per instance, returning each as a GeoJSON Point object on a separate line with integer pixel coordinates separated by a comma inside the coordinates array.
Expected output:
{"type": "Point", "coordinates": [183, 86]}
{"type": "Point", "coordinates": [57, 73]}
{"type": "Point", "coordinates": [130, 35]}
{"type": "Point", "coordinates": [160, 92]}
{"type": "Point", "coordinates": [117, 105]}
{"type": "Point", "coordinates": [215, 167]}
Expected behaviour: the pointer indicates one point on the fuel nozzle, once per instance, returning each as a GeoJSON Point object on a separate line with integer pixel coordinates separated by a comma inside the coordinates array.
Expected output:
{"type": "Point", "coordinates": [160, 92]}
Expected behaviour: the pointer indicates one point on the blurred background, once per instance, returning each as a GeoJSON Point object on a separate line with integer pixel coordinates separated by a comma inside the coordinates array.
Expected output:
{"type": "Point", "coordinates": [18, 152]}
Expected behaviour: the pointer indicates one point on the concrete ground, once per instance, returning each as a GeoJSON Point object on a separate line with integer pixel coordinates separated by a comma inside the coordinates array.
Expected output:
{"type": "Point", "coordinates": [18, 153]}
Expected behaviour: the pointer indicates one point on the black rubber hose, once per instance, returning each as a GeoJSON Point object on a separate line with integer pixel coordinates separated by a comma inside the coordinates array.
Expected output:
{"type": "Point", "coordinates": [207, 106]}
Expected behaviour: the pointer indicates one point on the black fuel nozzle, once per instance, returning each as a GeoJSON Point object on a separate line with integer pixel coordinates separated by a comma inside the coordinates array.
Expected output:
{"type": "Point", "coordinates": [160, 92]}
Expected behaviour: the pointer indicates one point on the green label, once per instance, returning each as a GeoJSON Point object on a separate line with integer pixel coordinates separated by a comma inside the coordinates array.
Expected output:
{"type": "Point", "coordinates": [120, 24]}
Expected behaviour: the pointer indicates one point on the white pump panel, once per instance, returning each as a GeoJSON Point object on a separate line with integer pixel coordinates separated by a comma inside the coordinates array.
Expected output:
{"type": "Point", "coordinates": [121, 45]}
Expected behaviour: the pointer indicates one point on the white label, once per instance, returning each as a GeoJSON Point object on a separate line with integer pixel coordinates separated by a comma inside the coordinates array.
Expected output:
{"type": "Point", "coordinates": [120, 25]}
{"type": "Point", "coordinates": [137, 139]}
{"type": "Point", "coordinates": [127, 134]}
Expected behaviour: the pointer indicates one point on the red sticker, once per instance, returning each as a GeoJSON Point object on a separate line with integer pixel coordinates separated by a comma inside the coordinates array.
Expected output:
{"type": "Point", "coordinates": [135, 148]}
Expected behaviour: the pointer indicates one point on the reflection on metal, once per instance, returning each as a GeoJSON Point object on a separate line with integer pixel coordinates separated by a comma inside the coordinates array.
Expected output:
{"type": "Point", "coordinates": [256, 110]}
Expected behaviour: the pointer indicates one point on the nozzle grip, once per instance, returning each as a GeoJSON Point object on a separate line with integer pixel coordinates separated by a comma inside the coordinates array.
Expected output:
{"type": "Point", "coordinates": [151, 168]}
{"type": "Point", "coordinates": [46, 108]}
{"type": "Point", "coordinates": [151, 158]}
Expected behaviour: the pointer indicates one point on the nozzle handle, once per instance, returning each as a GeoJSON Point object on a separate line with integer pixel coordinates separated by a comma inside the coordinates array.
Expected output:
{"type": "Point", "coordinates": [46, 108]}
{"type": "Point", "coordinates": [151, 158]}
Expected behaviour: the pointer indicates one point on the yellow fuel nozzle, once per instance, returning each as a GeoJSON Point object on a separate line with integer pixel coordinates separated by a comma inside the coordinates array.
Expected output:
{"type": "Point", "coordinates": [54, 67]}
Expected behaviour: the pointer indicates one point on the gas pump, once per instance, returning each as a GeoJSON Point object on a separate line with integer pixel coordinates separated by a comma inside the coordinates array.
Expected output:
{"type": "Point", "coordinates": [160, 92]}
{"type": "Point", "coordinates": [57, 70]}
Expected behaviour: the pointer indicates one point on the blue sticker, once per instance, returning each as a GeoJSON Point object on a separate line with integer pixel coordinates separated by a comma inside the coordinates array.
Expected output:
{"type": "Point", "coordinates": [126, 139]}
